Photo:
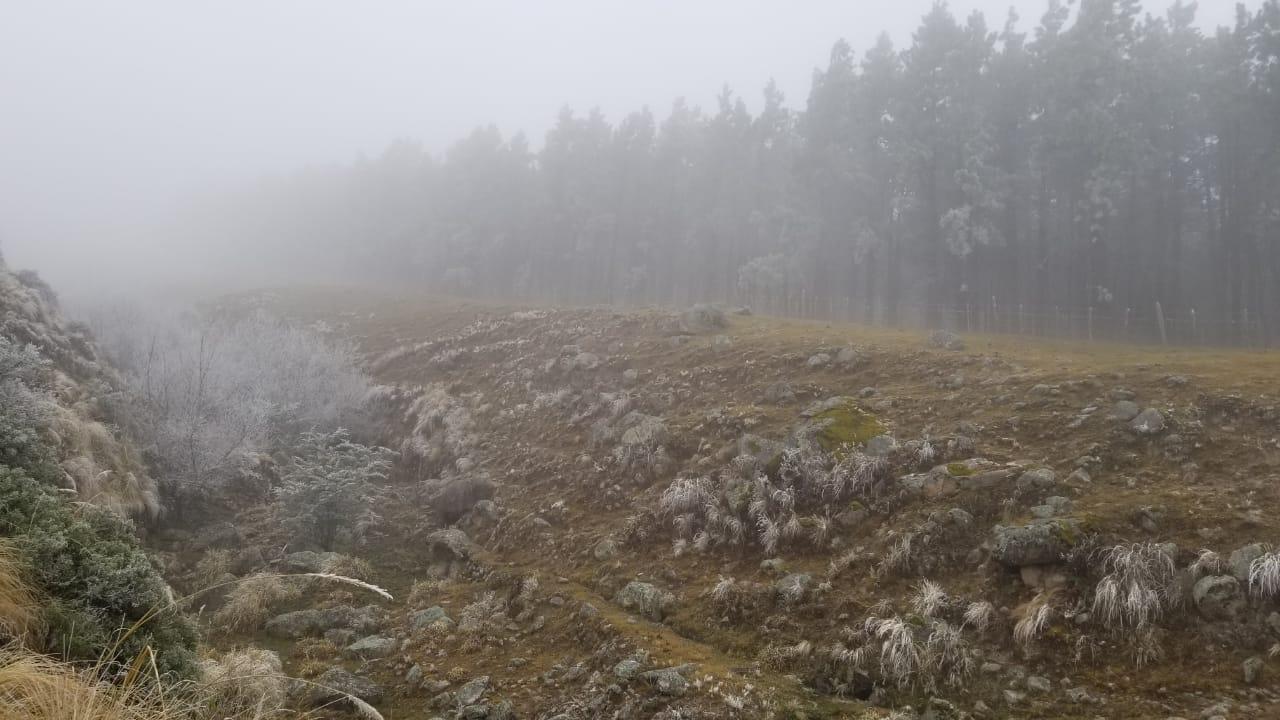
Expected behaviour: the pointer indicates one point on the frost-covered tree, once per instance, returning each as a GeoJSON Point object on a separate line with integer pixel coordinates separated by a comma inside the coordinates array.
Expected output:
{"type": "Point", "coordinates": [329, 492]}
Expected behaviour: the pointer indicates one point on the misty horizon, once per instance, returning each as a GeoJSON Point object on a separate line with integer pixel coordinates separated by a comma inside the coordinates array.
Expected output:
{"type": "Point", "coordinates": [126, 117]}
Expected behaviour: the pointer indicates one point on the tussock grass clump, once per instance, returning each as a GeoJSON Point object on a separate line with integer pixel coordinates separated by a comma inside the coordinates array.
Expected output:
{"type": "Point", "coordinates": [1140, 584]}
{"type": "Point", "coordinates": [249, 683]}
{"type": "Point", "coordinates": [251, 601]}
{"type": "Point", "coordinates": [19, 609]}
{"type": "Point", "coordinates": [36, 687]}
{"type": "Point", "coordinates": [1264, 575]}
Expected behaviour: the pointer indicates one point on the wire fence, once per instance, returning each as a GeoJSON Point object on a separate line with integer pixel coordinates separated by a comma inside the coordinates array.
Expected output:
{"type": "Point", "coordinates": [1157, 324]}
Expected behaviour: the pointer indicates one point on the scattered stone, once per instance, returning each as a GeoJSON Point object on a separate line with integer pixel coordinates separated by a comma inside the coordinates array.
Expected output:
{"type": "Point", "coordinates": [945, 340]}
{"type": "Point", "coordinates": [470, 693]}
{"type": "Point", "coordinates": [425, 618]}
{"type": "Point", "coordinates": [849, 357]}
{"type": "Point", "coordinates": [702, 319]}
{"type": "Point", "coordinates": [414, 675]}
{"type": "Point", "coordinates": [335, 684]}
{"type": "Point", "coordinates": [374, 646]}
{"type": "Point", "coordinates": [604, 550]}
{"type": "Point", "coordinates": [1040, 542]}
{"type": "Point", "coordinates": [1038, 479]}
{"type": "Point", "coordinates": [1041, 685]}
{"type": "Point", "coordinates": [645, 599]}
{"type": "Point", "coordinates": [1125, 410]}
{"type": "Point", "coordinates": [1148, 422]}
{"type": "Point", "coordinates": [627, 668]}
{"type": "Point", "coordinates": [881, 445]}
{"type": "Point", "coordinates": [818, 360]}
{"type": "Point", "coordinates": [1241, 561]}
{"type": "Point", "coordinates": [778, 393]}
{"type": "Point", "coordinates": [1252, 670]}
{"type": "Point", "coordinates": [669, 681]}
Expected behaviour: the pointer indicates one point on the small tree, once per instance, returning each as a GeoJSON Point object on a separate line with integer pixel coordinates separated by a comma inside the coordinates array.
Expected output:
{"type": "Point", "coordinates": [328, 492]}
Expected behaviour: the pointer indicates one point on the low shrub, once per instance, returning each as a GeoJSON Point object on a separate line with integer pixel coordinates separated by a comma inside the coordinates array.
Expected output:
{"type": "Point", "coordinates": [103, 600]}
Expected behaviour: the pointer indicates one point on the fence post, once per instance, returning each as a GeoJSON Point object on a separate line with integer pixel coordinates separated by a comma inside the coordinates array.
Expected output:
{"type": "Point", "coordinates": [1164, 338]}
{"type": "Point", "coordinates": [1195, 335]}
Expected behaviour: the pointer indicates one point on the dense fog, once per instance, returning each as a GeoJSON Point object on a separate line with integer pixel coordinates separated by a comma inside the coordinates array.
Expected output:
{"type": "Point", "coordinates": [1049, 166]}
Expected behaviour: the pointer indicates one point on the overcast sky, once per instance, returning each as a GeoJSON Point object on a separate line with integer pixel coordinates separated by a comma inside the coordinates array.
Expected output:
{"type": "Point", "coordinates": [112, 110]}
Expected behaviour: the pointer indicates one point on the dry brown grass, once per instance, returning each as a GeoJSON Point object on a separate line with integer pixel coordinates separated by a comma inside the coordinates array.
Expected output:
{"type": "Point", "coordinates": [250, 602]}
{"type": "Point", "coordinates": [246, 683]}
{"type": "Point", "coordinates": [34, 687]}
{"type": "Point", "coordinates": [19, 609]}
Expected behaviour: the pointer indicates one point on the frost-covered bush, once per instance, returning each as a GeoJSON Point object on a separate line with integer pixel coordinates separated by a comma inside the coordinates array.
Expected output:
{"type": "Point", "coordinates": [328, 490]}
{"type": "Point", "coordinates": [742, 504]}
{"type": "Point", "coordinates": [206, 392]}
{"type": "Point", "coordinates": [26, 410]}
{"type": "Point", "coordinates": [906, 653]}
{"type": "Point", "coordinates": [97, 582]}
{"type": "Point", "coordinates": [1139, 585]}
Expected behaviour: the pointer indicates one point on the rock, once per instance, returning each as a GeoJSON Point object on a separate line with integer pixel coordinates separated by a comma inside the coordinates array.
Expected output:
{"type": "Point", "coordinates": [1241, 561]}
{"type": "Point", "coordinates": [669, 681]}
{"type": "Point", "coordinates": [1252, 670]}
{"type": "Point", "coordinates": [774, 566]}
{"type": "Point", "coordinates": [340, 637]}
{"type": "Point", "coordinates": [627, 669]}
{"type": "Point", "coordinates": [604, 550]}
{"type": "Point", "coordinates": [643, 430]}
{"type": "Point", "coordinates": [1218, 597]}
{"type": "Point", "coordinates": [335, 684]}
{"type": "Point", "coordinates": [645, 599]}
{"type": "Point", "coordinates": [792, 588]}
{"type": "Point", "coordinates": [1013, 697]}
{"type": "Point", "coordinates": [818, 360]}
{"type": "Point", "coordinates": [702, 319]}
{"type": "Point", "coordinates": [307, 561]}
{"type": "Point", "coordinates": [945, 340]}
{"type": "Point", "coordinates": [1125, 410]}
{"type": "Point", "coordinates": [296, 625]}
{"type": "Point", "coordinates": [414, 676]}
{"type": "Point", "coordinates": [1038, 479]}
{"type": "Point", "coordinates": [425, 618]}
{"type": "Point", "coordinates": [852, 516]}
{"type": "Point", "coordinates": [1040, 685]}
{"type": "Point", "coordinates": [1148, 422]}
{"type": "Point", "coordinates": [1040, 542]}
{"type": "Point", "coordinates": [630, 376]}
{"type": "Point", "coordinates": [939, 709]}
{"type": "Point", "coordinates": [1079, 696]}
{"type": "Point", "coordinates": [373, 646]}
{"type": "Point", "coordinates": [778, 393]}
{"type": "Point", "coordinates": [470, 693]}
{"type": "Point", "coordinates": [881, 445]}
{"type": "Point", "coordinates": [849, 357]}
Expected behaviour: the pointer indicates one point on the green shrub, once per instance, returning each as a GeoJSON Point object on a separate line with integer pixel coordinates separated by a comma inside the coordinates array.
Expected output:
{"type": "Point", "coordinates": [97, 582]}
{"type": "Point", "coordinates": [328, 492]}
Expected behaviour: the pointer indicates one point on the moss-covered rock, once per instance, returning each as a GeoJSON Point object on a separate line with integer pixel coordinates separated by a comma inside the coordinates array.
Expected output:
{"type": "Point", "coordinates": [840, 422]}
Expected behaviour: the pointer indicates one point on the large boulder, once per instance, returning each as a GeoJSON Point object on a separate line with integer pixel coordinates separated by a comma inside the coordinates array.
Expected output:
{"type": "Point", "coordinates": [702, 319]}
{"type": "Point", "coordinates": [1218, 597]}
{"type": "Point", "coordinates": [645, 599]}
{"type": "Point", "coordinates": [1040, 542]}
{"type": "Point", "coordinates": [1241, 561]}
